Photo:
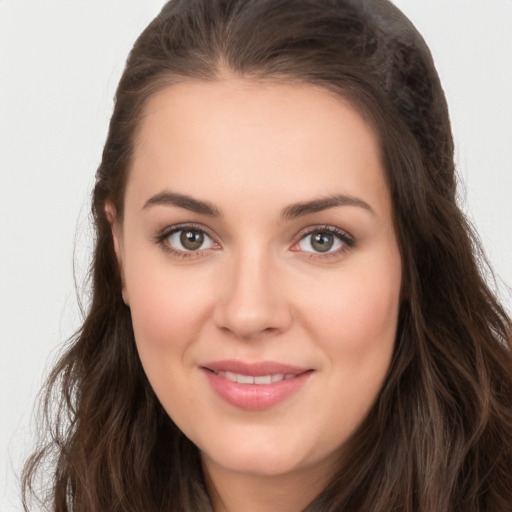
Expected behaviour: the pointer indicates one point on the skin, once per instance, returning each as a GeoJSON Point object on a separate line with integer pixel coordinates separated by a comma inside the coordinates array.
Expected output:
{"type": "Point", "coordinates": [257, 289]}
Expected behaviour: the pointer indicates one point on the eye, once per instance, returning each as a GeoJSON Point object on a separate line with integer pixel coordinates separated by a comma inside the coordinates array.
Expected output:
{"type": "Point", "coordinates": [186, 239]}
{"type": "Point", "coordinates": [324, 240]}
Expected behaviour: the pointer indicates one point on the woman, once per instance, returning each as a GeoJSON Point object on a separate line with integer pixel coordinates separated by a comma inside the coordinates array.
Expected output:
{"type": "Point", "coordinates": [287, 313]}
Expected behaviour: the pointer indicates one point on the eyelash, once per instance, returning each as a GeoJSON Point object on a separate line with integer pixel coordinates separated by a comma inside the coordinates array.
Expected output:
{"type": "Point", "coordinates": [161, 239]}
{"type": "Point", "coordinates": [347, 241]}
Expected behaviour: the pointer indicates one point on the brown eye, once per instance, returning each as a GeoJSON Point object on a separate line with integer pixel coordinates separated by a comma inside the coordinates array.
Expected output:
{"type": "Point", "coordinates": [191, 240]}
{"type": "Point", "coordinates": [322, 242]}
{"type": "Point", "coordinates": [188, 240]}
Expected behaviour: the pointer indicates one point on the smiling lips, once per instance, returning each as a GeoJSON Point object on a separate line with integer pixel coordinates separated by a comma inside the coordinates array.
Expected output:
{"type": "Point", "coordinates": [256, 386]}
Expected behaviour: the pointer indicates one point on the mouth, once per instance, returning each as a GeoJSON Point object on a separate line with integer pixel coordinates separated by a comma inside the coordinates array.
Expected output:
{"type": "Point", "coordinates": [255, 386]}
{"type": "Point", "coordinates": [259, 380]}
{"type": "Point", "coordinates": [257, 369]}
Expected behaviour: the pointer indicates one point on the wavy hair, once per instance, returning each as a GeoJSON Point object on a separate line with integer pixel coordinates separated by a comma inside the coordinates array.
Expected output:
{"type": "Point", "coordinates": [439, 437]}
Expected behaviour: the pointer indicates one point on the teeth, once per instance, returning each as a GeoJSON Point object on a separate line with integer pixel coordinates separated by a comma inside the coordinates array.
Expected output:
{"type": "Point", "coordinates": [264, 379]}
{"type": "Point", "coordinates": [248, 379]}
{"type": "Point", "coordinates": [229, 375]}
{"type": "Point", "coordinates": [244, 379]}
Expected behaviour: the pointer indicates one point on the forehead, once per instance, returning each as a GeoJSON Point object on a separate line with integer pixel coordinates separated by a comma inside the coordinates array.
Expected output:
{"type": "Point", "coordinates": [256, 138]}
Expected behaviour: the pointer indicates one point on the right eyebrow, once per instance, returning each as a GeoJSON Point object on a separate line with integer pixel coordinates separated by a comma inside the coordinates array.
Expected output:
{"type": "Point", "coordinates": [167, 198]}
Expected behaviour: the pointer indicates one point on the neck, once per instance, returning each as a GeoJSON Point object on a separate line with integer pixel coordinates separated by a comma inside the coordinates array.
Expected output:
{"type": "Point", "coordinates": [231, 491]}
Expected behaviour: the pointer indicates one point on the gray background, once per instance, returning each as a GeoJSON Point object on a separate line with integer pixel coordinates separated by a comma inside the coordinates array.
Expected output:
{"type": "Point", "coordinates": [59, 65]}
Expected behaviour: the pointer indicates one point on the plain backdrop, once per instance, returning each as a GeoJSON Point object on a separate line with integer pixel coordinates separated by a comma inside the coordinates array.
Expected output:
{"type": "Point", "coordinates": [60, 62]}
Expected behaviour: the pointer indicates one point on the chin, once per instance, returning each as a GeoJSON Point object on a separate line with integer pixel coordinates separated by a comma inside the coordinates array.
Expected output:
{"type": "Point", "coordinates": [255, 453]}
{"type": "Point", "coordinates": [255, 462]}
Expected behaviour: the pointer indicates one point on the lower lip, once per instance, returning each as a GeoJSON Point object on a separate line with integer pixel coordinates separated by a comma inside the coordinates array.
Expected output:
{"type": "Point", "coordinates": [256, 397]}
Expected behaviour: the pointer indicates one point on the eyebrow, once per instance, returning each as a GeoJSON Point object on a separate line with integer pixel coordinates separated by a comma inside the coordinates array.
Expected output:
{"type": "Point", "coordinates": [292, 211]}
{"type": "Point", "coordinates": [317, 205]}
{"type": "Point", "coordinates": [182, 201]}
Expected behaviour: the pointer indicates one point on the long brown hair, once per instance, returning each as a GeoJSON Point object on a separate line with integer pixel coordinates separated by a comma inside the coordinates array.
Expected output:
{"type": "Point", "coordinates": [439, 437]}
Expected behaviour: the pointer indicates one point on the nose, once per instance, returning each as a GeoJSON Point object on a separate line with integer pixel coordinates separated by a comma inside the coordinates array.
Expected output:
{"type": "Point", "coordinates": [252, 301]}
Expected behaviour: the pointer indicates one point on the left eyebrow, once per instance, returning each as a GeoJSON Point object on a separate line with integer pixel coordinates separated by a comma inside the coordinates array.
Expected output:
{"type": "Point", "coordinates": [317, 205]}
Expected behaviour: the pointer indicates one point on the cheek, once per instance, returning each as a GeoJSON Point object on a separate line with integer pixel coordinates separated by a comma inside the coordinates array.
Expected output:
{"type": "Point", "coordinates": [168, 306]}
{"type": "Point", "coordinates": [168, 313]}
{"type": "Point", "coordinates": [356, 329]}
{"type": "Point", "coordinates": [356, 326]}
{"type": "Point", "coordinates": [359, 313]}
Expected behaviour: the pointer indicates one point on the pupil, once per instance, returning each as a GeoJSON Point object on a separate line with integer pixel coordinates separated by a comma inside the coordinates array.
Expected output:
{"type": "Point", "coordinates": [322, 242]}
{"type": "Point", "coordinates": [192, 240]}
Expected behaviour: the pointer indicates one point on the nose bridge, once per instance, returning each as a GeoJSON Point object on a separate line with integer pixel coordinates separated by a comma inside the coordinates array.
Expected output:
{"type": "Point", "coordinates": [253, 300]}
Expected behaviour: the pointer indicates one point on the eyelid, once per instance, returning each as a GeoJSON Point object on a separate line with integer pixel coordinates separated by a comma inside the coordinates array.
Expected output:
{"type": "Point", "coordinates": [164, 234]}
{"type": "Point", "coordinates": [348, 241]}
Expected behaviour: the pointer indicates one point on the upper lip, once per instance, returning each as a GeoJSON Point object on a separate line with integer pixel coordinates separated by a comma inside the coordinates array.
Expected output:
{"type": "Point", "coordinates": [256, 369]}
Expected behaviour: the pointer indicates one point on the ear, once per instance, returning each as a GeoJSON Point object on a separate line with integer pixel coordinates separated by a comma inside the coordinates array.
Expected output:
{"type": "Point", "coordinates": [111, 214]}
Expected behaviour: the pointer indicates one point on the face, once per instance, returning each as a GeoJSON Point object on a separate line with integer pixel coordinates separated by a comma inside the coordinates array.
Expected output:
{"type": "Point", "coordinates": [262, 270]}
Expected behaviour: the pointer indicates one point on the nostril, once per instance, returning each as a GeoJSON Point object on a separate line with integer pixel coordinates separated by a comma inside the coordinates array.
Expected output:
{"type": "Point", "coordinates": [248, 332]}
